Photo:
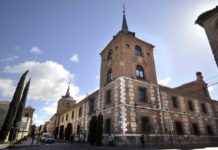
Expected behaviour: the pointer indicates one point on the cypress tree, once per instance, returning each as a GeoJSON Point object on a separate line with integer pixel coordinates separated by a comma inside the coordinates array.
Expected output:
{"type": "Point", "coordinates": [99, 130]}
{"type": "Point", "coordinates": [11, 114]}
{"type": "Point", "coordinates": [92, 130]}
{"type": "Point", "coordinates": [20, 110]}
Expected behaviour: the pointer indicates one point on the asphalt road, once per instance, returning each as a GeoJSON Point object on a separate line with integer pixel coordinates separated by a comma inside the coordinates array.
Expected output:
{"type": "Point", "coordinates": [67, 146]}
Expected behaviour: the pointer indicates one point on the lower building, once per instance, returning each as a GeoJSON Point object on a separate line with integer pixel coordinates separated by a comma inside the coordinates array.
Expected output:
{"type": "Point", "coordinates": [26, 121]}
{"type": "Point", "coordinates": [132, 108]}
{"type": "Point", "coordinates": [135, 106]}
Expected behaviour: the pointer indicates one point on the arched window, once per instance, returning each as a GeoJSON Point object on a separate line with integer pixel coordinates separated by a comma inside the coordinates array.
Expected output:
{"type": "Point", "coordinates": [138, 51]}
{"type": "Point", "coordinates": [109, 75]}
{"type": "Point", "coordinates": [109, 56]}
{"type": "Point", "coordinates": [140, 72]}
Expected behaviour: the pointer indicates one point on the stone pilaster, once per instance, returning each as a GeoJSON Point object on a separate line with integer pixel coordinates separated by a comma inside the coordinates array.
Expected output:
{"type": "Point", "coordinates": [123, 110]}
{"type": "Point", "coordinates": [132, 109]}
{"type": "Point", "coordinates": [116, 103]}
{"type": "Point", "coordinates": [186, 125]}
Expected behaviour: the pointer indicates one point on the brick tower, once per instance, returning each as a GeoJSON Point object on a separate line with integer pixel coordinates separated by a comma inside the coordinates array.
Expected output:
{"type": "Point", "coordinates": [126, 55]}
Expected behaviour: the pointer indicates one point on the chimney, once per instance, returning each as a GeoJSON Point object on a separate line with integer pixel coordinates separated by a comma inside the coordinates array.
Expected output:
{"type": "Point", "coordinates": [199, 76]}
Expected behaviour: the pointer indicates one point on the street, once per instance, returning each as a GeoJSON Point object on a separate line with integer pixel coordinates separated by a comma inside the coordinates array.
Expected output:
{"type": "Point", "coordinates": [67, 146]}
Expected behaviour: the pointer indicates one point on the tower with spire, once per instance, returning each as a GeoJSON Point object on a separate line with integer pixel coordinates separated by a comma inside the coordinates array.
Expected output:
{"type": "Point", "coordinates": [66, 102]}
{"type": "Point", "coordinates": [120, 56]}
{"type": "Point", "coordinates": [124, 24]}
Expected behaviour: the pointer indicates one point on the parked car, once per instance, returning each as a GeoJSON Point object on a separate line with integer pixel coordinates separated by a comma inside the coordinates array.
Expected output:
{"type": "Point", "coordinates": [47, 138]}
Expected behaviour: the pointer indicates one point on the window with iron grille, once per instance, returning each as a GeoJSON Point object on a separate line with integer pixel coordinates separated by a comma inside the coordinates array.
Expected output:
{"type": "Point", "coordinates": [107, 128]}
{"type": "Point", "coordinates": [109, 75]}
{"type": "Point", "coordinates": [175, 101]}
{"type": "Point", "coordinates": [140, 72]}
{"type": "Point", "coordinates": [80, 111]}
{"type": "Point", "coordinates": [145, 125]}
{"type": "Point", "coordinates": [190, 105]}
{"type": "Point", "coordinates": [179, 128]}
{"type": "Point", "coordinates": [138, 51]}
{"type": "Point", "coordinates": [195, 129]}
{"type": "Point", "coordinates": [203, 108]}
{"type": "Point", "coordinates": [209, 130]}
{"type": "Point", "coordinates": [142, 94]}
{"type": "Point", "coordinates": [108, 97]}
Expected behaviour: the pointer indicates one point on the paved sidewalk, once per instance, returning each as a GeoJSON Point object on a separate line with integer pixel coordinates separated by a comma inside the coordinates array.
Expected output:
{"type": "Point", "coordinates": [2, 146]}
{"type": "Point", "coordinates": [27, 142]}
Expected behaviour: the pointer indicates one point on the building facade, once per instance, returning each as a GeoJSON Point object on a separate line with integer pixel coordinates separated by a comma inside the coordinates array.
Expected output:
{"type": "Point", "coordinates": [209, 21]}
{"type": "Point", "coordinates": [133, 103]}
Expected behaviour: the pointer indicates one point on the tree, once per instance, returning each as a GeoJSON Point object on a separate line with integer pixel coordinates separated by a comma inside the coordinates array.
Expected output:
{"type": "Point", "coordinates": [92, 130]}
{"type": "Point", "coordinates": [99, 130]}
{"type": "Point", "coordinates": [13, 107]}
{"type": "Point", "coordinates": [20, 111]}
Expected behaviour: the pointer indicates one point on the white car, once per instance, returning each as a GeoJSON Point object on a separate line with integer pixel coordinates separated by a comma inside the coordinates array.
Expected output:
{"type": "Point", "coordinates": [47, 138]}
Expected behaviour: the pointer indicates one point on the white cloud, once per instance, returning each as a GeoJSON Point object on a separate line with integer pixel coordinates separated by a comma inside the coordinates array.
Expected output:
{"type": "Point", "coordinates": [8, 59]}
{"type": "Point", "coordinates": [36, 50]}
{"type": "Point", "coordinates": [75, 58]}
{"type": "Point", "coordinates": [51, 108]}
{"type": "Point", "coordinates": [6, 87]}
{"type": "Point", "coordinates": [165, 81]}
{"type": "Point", "coordinates": [97, 77]}
{"type": "Point", "coordinates": [49, 79]}
{"type": "Point", "coordinates": [36, 120]}
{"type": "Point", "coordinates": [210, 89]}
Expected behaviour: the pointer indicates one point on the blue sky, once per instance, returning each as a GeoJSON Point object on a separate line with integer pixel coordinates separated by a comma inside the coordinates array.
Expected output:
{"type": "Point", "coordinates": [60, 41]}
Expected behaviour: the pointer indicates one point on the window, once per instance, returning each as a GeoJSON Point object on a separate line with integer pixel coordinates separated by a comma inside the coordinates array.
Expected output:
{"type": "Point", "coordinates": [109, 75]}
{"type": "Point", "coordinates": [26, 115]}
{"type": "Point", "coordinates": [107, 128]}
{"type": "Point", "coordinates": [80, 111]}
{"type": "Point", "coordinates": [195, 129]}
{"type": "Point", "coordinates": [91, 105]}
{"type": "Point", "coordinates": [190, 105]}
{"type": "Point", "coordinates": [72, 115]}
{"type": "Point", "coordinates": [78, 129]}
{"type": "Point", "coordinates": [216, 24]}
{"type": "Point", "coordinates": [127, 45]}
{"type": "Point", "coordinates": [142, 94]}
{"type": "Point", "coordinates": [209, 130]}
{"type": "Point", "coordinates": [178, 128]}
{"type": "Point", "coordinates": [108, 97]}
{"type": "Point", "coordinates": [66, 117]}
{"type": "Point", "coordinates": [109, 56]}
{"type": "Point", "coordinates": [174, 101]}
{"type": "Point", "coordinates": [203, 108]}
{"type": "Point", "coordinates": [146, 126]}
{"type": "Point", "coordinates": [138, 51]}
{"type": "Point", "coordinates": [140, 72]}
